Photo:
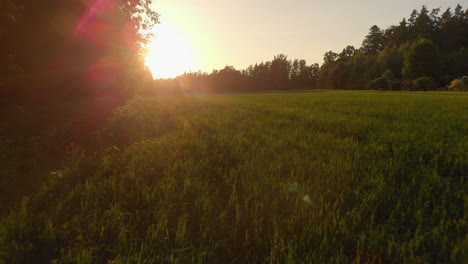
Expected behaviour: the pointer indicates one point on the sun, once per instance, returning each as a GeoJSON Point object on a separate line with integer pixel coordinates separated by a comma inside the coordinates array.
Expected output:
{"type": "Point", "coordinates": [169, 53]}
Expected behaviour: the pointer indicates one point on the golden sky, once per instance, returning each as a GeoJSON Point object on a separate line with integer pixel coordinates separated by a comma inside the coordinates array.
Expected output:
{"type": "Point", "coordinates": [212, 34]}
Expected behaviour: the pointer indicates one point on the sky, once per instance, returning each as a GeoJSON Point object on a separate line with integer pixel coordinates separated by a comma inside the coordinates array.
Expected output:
{"type": "Point", "coordinates": [244, 32]}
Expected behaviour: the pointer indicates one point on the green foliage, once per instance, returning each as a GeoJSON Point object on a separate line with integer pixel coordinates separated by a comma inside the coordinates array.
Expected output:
{"type": "Point", "coordinates": [459, 84]}
{"type": "Point", "coordinates": [278, 74]}
{"type": "Point", "coordinates": [377, 84]}
{"type": "Point", "coordinates": [425, 45]}
{"type": "Point", "coordinates": [421, 59]}
{"type": "Point", "coordinates": [455, 63]}
{"type": "Point", "coordinates": [423, 84]}
{"type": "Point", "coordinates": [330, 57]}
{"type": "Point", "coordinates": [280, 71]}
{"type": "Point", "coordinates": [207, 179]}
{"type": "Point", "coordinates": [391, 59]}
{"type": "Point", "coordinates": [374, 41]}
{"type": "Point", "coordinates": [72, 48]}
{"type": "Point", "coordinates": [352, 73]}
{"type": "Point", "coordinates": [407, 85]}
{"type": "Point", "coordinates": [388, 75]}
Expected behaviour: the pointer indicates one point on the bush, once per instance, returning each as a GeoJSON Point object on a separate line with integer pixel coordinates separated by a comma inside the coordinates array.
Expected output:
{"type": "Point", "coordinates": [423, 84]}
{"type": "Point", "coordinates": [459, 84]}
{"type": "Point", "coordinates": [377, 84]}
{"type": "Point", "coordinates": [406, 85]}
{"type": "Point", "coordinates": [388, 75]}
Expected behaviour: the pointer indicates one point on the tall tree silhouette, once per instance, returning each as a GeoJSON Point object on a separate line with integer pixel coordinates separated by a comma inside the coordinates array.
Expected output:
{"type": "Point", "coordinates": [374, 41]}
{"type": "Point", "coordinates": [59, 44]}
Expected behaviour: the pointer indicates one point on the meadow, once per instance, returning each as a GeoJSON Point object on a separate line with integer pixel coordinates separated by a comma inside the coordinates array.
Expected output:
{"type": "Point", "coordinates": [306, 177]}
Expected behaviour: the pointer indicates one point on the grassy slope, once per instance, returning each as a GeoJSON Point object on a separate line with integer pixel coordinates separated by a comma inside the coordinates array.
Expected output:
{"type": "Point", "coordinates": [206, 179]}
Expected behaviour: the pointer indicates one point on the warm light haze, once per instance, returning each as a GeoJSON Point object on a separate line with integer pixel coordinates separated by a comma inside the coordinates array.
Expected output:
{"type": "Point", "coordinates": [206, 35]}
{"type": "Point", "coordinates": [245, 131]}
{"type": "Point", "coordinates": [170, 53]}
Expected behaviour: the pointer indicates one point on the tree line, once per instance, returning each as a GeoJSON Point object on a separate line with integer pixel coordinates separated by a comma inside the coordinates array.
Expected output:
{"type": "Point", "coordinates": [277, 74]}
{"type": "Point", "coordinates": [427, 51]}
{"type": "Point", "coordinates": [70, 49]}
{"type": "Point", "coordinates": [424, 52]}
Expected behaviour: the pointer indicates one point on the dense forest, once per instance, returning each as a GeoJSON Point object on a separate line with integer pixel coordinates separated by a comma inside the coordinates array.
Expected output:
{"type": "Point", "coordinates": [424, 52]}
{"type": "Point", "coordinates": [427, 51]}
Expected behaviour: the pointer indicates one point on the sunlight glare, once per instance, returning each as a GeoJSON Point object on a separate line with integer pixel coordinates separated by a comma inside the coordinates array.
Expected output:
{"type": "Point", "coordinates": [170, 53]}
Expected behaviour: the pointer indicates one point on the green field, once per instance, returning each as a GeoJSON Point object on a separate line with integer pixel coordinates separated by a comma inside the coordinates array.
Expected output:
{"type": "Point", "coordinates": [309, 177]}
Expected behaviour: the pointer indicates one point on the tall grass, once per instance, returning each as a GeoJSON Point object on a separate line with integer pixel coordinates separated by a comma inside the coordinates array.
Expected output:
{"type": "Point", "coordinates": [220, 179]}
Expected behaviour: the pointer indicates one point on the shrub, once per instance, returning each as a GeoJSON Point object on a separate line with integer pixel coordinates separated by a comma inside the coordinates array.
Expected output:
{"type": "Point", "coordinates": [406, 85]}
{"type": "Point", "coordinates": [459, 84]}
{"type": "Point", "coordinates": [377, 84]}
{"type": "Point", "coordinates": [423, 84]}
{"type": "Point", "coordinates": [388, 75]}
